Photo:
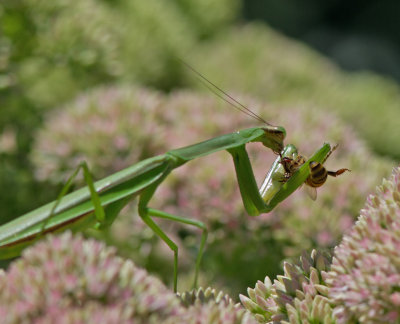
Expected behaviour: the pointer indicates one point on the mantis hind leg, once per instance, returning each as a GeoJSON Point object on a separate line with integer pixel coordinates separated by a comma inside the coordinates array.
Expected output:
{"type": "Point", "coordinates": [98, 208]}
{"type": "Point", "coordinates": [147, 213]}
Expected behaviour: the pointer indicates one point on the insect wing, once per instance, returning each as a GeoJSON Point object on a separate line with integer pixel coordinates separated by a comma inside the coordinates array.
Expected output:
{"type": "Point", "coordinates": [311, 192]}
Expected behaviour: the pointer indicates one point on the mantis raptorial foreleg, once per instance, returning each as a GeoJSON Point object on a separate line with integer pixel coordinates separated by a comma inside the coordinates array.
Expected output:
{"type": "Point", "coordinates": [273, 190]}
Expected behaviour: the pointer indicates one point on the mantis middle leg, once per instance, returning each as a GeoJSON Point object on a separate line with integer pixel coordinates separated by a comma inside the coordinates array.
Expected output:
{"type": "Point", "coordinates": [147, 213]}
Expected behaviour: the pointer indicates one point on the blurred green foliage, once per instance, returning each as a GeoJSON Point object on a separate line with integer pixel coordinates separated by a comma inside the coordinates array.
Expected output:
{"type": "Point", "coordinates": [257, 60]}
{"type": "Point", "coordinates": [51, 51]}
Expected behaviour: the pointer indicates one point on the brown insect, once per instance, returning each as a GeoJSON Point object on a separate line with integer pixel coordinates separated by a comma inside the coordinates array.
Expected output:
{"type": "Point", "coordinates": [318, 173]}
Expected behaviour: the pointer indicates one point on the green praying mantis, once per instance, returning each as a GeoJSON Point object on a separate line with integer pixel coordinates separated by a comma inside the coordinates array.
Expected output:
{"type": "Point", "coordinates": [99, 203]}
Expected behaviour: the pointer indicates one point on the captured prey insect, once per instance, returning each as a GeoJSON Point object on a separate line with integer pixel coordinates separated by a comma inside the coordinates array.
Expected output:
{"type": "Point", "coordinates": [318, 173]}
{"type": "Point", "coordinates": [99, 203]}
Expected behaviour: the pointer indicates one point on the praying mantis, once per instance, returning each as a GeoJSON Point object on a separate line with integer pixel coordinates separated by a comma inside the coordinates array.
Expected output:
{"type": "Point", "coordinates": [99, 203]}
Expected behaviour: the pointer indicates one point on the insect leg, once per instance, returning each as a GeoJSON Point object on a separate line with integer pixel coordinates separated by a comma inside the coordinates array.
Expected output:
{"type": "Point", "coordinates": [330, 152]}
{"type": "Point", "coordinates": [338, 172]}
{"type": "Point", "coordinates": [198, 224]}
{"type": "Point", "coordinates": [146, 214]}
{"type": "Point", "coordinates": [98, 208]}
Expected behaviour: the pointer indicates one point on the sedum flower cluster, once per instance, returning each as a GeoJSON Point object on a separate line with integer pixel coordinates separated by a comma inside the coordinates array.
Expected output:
{"type": "Point", "coordinates": [300, 296]}
{"type": "Point", "coordinates": [66, 279]}
{"type": "Point", "coordinates": [122, 125]}
{"type": "Point", "coordinates": [203, 296]}
{"type": "Point", "coordinates": [364, 281]}
{"type": "Point", "coordinates": [210, 306]}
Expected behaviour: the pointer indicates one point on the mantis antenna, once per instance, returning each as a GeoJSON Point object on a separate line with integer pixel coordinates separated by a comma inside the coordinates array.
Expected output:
{"type": "Point", "coordinates": [224, 95]}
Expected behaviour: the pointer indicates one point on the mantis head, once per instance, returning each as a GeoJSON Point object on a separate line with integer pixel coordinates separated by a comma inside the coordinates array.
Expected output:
{"type": "Point", "coordinates": [274, 136]}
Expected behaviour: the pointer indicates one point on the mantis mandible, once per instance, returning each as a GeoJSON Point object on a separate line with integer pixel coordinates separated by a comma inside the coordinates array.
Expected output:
{"type": "Point", "coordinates": [99, 203]}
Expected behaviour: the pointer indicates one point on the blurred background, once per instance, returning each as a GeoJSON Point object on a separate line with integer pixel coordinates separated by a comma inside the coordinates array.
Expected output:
{"type": "Point", "coordinates": [100, 81]}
